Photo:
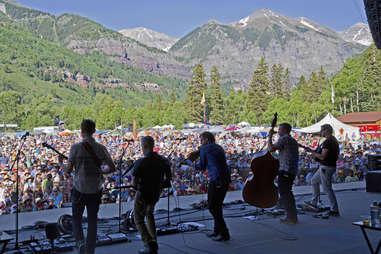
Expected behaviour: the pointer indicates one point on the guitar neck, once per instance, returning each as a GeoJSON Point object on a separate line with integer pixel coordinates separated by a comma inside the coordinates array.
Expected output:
{"type": "Point", "coordinates": [54, 150]}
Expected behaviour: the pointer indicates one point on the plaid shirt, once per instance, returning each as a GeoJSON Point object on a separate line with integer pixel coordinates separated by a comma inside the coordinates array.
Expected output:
{"type": "Point", "coordinates": [288, 154]}
{"type": "Point", "coordinates": [88, 177]}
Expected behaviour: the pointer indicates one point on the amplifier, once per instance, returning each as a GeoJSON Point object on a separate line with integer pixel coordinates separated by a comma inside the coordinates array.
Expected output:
{"type": "Point", "coordinates": [373, 181]}
{"type": "Point", "coordinates": [374, 161]}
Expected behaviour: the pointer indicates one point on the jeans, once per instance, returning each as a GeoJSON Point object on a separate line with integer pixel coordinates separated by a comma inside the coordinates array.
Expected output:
{"type": "Point", "coordinates": [142, 210]}
{"type": "Point", "coordinates": [91, 202]}
{"type": "Point", "coordinates": [216, 196]}
{"type": "Point", "coordinates": [286, 197]}
{"type": "Point", "coordinates": [324, 176]}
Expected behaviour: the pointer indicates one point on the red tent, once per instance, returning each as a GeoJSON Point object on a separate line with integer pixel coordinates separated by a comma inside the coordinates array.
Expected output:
{"type": "Point", "coordinates": [234, 128]}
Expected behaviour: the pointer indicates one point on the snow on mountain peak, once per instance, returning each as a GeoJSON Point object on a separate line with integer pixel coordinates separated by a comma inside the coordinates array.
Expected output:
{"type": "Point", "coordinates": [243, 22]}
{"type": "Point", "coordinates": [358, 33]}
{"type": "Point", "coordinates": [305, 22]}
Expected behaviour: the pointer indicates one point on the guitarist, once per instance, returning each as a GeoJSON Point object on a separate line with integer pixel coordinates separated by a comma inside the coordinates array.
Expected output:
{"type": "Point", "coordinates": [288, 169]}
{"type": "Point", "coordinates": [86, 158]}
{"type": "Point", "coordinates": [327, 156]}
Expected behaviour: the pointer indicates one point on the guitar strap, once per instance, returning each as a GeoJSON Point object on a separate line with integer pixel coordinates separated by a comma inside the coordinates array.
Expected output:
{"type": "Point", "coordinates": [90, 150]}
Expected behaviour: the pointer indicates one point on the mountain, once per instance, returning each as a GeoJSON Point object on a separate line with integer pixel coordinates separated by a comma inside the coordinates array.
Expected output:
{"type": "Point", "coordinates": [300, 45]}
{"type": "Point", "coordinates": [358, 33]}
{"type": "Point", "coordinates": [84, 36]}
{"type": "Point", "coordinates": [36, 68]}
{"type": "Point", "coordinates": [150, 38]}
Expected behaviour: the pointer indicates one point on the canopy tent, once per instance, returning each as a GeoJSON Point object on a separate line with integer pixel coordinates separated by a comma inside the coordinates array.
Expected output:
{"type": "Point", "coordinates": [233, 128]}
{"type": "Point", "coordinates": [341, 129]}
{"type": "Point", "coordinates": [65, 133]}
{"type": "Point", "coordinates": [244, 124]}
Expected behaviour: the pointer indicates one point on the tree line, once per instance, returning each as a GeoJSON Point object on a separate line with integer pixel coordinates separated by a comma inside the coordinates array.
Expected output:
{"type": "Point", "coordinates": [357, 87]}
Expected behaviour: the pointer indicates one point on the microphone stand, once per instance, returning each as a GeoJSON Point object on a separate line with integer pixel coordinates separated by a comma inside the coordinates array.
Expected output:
{"type": "Point", "coordinates": [16, 160]}
{"type": "Point", "coordinates": [120, 182]}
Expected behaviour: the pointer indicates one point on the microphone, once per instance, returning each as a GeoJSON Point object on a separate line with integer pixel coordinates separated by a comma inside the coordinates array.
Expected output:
{"type": "Point", "coordinates": [25, 135]}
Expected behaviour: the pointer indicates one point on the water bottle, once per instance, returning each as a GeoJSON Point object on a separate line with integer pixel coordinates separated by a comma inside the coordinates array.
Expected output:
{"type": "Point", "coordinates": [374, 214]}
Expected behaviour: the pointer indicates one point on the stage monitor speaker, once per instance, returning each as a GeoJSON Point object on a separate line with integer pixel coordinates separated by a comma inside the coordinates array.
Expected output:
{"type": "Point", "coordinates": [374, 161]}
{"type": "Point", "coordinates": [373, 181]}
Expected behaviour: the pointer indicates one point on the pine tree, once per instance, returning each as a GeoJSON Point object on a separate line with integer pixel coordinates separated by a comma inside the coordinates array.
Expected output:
{"type": "Point", "coordinates": [314, 89]}
{"type": "Point", "coordinates": [276, 81]}
{"type": "Point", "coordinates": [287, 85]}
{"type": "Point", "coordinates": [216, 98]}
{"type": "Point", "coordinates": [257, 94]}
{"type": "Point", "coordinates": [172, 98]}
{"type": "Point", "coordinates": [196, 89]}
{"type": "Point", "coordinates": [370, 87]}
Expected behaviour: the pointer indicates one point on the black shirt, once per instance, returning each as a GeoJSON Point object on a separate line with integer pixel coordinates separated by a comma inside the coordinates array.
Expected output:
{"type": "Point", "coordinates": [152, 171]}
{"type": "Point", "coordinates": [333, 151]}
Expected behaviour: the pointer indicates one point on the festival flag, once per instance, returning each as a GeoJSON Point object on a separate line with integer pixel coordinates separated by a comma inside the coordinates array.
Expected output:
{"type": "Point", "coordinates": [203, 99]}
{"type": "Point", "coordinates": [332, 95]}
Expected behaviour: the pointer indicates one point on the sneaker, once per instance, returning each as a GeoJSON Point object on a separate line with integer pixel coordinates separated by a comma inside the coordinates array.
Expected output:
{"type": "Point", "coordinates": [153, 246]}
{"type": "Point", "coordinates": [211, 235]}
{"type": "Point", "coordinates": [222, 238]}
{"type": "Point", "coordinates": [289, 221]}
{"type": "Point", "coordinates": [334, 213]}
{"type": "Point", "coordinates": [310, 204]}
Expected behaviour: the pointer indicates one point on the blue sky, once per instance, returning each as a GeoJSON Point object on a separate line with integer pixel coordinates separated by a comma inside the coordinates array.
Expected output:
{"type": "Point", "coordinates": [178, 17]}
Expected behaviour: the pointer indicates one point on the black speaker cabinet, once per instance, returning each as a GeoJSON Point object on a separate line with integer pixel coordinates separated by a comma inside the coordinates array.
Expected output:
{"type": "Point", "coordinates": [374, 161]}
{"type": "Point", "coordinates": [373, 181]}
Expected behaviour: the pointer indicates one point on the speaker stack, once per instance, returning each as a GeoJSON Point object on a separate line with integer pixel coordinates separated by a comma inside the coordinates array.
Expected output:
{"type": "Point", "coordinates": [373, 177]}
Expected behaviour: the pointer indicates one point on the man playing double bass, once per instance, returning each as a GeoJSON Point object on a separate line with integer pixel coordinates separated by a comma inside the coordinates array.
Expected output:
{"type": "Point", "coordinates": [288, 169]}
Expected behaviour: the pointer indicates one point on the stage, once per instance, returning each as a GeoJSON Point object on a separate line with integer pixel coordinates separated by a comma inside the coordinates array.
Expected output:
{"type": "Point", "coordinates": [263, 235]}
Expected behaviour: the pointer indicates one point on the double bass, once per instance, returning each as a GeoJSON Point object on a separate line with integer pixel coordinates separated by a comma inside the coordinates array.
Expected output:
{"type": "Point", "coordinates": [260, 190]}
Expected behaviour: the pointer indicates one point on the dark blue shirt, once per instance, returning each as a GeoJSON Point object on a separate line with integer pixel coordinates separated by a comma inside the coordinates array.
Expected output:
{"type": "Point", "coordinates": [212, 157]}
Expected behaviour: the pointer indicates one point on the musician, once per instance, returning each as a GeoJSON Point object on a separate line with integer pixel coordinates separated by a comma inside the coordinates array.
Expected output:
{"type": "Point", "coordinates": [288, 169]}
{"type": "Point", "coordinates": [150, 175]}
{"type": "Point", "coordinates": [327, 155]}
{"type": "Point", "coordinates": [85, 158]}
{"type": "Point", "coordinates": [212, 157]}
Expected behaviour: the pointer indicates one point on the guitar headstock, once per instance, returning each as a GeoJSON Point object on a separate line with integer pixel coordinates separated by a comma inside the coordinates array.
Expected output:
{"type": "Point", "coordinates": [46, 145]}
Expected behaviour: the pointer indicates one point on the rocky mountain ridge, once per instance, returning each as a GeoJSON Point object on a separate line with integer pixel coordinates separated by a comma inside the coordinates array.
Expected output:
{"type": "Point", "coordinates": [299, 44]}
{"type": "Point", "coordinates": [150, 38]}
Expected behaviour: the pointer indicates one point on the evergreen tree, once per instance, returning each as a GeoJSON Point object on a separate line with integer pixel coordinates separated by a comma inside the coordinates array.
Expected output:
{"type": "Point", "coordinates": [370, 88]}
{"type": "Point", "coordinates": [287, 85]}
{"type": "Point", "coordinates": [172, 98]}
{"type": "Point", "coordinates": [158, 104]}
{"type": "Point", "coordinates": [276, 81]}
{"type": "Point", "coordinates": [196, 90]}
{"type": "Point", "coordinates": [258, 98]}
{"type": "Point", "coordinates": [216, 98]}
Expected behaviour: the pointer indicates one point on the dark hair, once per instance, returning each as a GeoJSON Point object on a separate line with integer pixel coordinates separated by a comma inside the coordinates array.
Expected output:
{"type": "Point", "coordinates": [286, 126]}
{"type": "Point", "coordinates": [148, 142]}
{"type": "Point", "coordinates": [327, 127]}
{"type": "Point", "coordinates": [208, 136]}
{"type": "Point", "coordinates": [88, 126]}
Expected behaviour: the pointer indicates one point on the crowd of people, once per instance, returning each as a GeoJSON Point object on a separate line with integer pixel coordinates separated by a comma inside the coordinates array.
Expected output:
{"type": "Point", "coordinates": [42, 184]}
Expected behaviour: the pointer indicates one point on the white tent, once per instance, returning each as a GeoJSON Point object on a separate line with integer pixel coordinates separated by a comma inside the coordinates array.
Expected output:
{"type": "Point", "coordinates": [338, 127]}
{"type": "Point", "coordinates": [244, 124]}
